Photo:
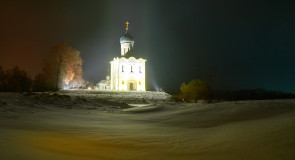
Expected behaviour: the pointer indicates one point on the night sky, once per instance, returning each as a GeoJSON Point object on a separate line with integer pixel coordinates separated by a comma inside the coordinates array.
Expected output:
{"type": "Point", "coordinates": [230, 44]}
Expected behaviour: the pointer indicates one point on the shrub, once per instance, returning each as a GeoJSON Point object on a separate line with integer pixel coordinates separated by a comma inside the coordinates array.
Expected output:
{"type": "Point", "coordinates": [194, 91]}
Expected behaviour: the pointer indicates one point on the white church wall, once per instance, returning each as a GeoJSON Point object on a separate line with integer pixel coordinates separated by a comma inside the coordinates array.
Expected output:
{"type": "Point", "coordinates": [126, 71]}
{"type": "Point", "coordinates": [125, 47]}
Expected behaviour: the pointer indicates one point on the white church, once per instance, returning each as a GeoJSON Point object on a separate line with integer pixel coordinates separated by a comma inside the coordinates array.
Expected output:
{"type": "Point", "coordinates": [127, 72]}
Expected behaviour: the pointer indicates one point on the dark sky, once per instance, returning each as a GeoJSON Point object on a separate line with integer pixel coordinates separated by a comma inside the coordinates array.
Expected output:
{"type": "Point", "coordinates": [230, 44]}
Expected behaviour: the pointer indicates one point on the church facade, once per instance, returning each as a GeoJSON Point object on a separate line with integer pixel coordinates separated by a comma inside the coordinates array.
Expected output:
{"type": "Point", "coordinates": [127, 73]}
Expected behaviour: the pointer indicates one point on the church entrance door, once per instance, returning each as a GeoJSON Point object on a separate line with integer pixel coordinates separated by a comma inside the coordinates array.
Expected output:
{"type": "Point", "coordinates": [131, 87]}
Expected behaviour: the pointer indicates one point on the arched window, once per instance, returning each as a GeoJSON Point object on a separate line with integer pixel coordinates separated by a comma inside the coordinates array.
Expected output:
{"type": "Point", "coordinates": [122, 68]}
{"type": "Point", "coordinates": [131, 69]}
{"type": "Point", "coordinates": [139, 69]}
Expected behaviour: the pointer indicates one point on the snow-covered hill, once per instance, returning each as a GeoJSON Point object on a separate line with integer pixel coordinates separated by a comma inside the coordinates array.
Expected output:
{"type": "Point", "coordinates": [93, 125]}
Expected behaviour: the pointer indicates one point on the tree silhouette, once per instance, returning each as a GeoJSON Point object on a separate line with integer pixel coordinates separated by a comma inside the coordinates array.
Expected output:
{"type": "Point", "coordinates": [14, 79]}
{"type": "Point", "coordinates": [63, 65]}
{"type": "Point", "coordinates": [194, 90]}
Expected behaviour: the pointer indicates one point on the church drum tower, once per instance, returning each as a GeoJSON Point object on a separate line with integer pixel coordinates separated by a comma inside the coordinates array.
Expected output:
{"type": "Point", "coordinates": [127, 72]}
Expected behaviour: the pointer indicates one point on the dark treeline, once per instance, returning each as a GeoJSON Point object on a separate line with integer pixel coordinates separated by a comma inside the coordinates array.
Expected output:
{"type": "Point", "coordinates": [62, 69]}
{"type": "Point", "coordinates": [17, 80]}
{"type": "Point", "coordinates": [250, 94]}
{"type": "Point", "coordinates": [199, 90]}
{"type": "Point", "coordinates": [14, 79]}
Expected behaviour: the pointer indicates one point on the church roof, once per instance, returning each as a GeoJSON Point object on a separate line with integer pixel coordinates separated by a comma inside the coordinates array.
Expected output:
{"type": "Point", "coordinates": [126, 38]}
{"type": "Point", "coordinates": [104, 81]}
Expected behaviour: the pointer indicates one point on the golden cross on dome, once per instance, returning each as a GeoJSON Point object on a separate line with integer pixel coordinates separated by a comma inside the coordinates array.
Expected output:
{"type": "Point", "coordinates": [127, 26]}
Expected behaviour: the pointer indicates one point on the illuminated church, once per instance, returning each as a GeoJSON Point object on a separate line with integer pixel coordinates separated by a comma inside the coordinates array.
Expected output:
{"type": "Point", "coordinates": [127, 73]}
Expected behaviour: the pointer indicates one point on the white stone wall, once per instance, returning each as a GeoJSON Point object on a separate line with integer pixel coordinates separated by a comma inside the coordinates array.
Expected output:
{"type": "Point", "coordinates": [128, 72]}
{"type": "Point", "coordinates": [125, 47]}
{"type": "Point", "coordinates": [103, 86]}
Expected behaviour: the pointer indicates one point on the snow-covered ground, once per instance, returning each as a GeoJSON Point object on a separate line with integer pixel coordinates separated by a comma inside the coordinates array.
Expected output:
{"type": "Point", "coordinates": [101, 125]}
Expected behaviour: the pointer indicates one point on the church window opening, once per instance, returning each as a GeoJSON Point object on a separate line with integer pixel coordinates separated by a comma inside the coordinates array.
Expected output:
{"type": "Point", "coordinates": [139, 69]}
{"type": "Point", "coordinates": [139, 82]}
{"type": "Point", "coordinates": [131, 69]}
{"type": "Point", "coordinates": [122, 82]}
{"type": "Point", "coordinates": [122, 68]}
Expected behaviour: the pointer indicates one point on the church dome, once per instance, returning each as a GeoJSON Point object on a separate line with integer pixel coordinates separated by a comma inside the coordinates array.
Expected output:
{"type": "Point", "coordinates": [126, 38]}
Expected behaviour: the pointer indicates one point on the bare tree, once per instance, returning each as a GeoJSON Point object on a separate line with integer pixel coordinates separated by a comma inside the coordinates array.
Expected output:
{"type": "Point", "coordinates": [14, 79]}
{"type": "Point", "coordinates": [63, 65]}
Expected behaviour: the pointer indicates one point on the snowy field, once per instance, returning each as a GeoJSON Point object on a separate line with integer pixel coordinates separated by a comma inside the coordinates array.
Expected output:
{"type": "Point", "coordinates": [87, 125]}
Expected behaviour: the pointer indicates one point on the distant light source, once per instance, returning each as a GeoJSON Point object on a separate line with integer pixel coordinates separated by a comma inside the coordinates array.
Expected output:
{"type": "Point", "coordinates": [156, 87]}
{"type": "Point", "coordinates": [65, 87]}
